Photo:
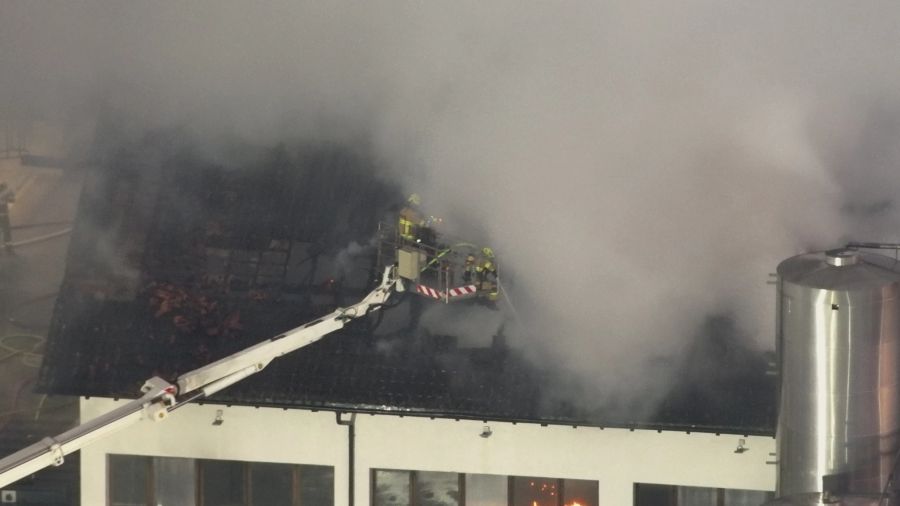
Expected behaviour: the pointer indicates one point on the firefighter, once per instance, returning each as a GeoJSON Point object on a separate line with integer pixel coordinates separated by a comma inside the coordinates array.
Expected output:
{"type": "Point", "coordinates": [410, 219]}
{"type": "Point", "coordinates": [486, 270]}
{"type": "Point", "coordinates": [469, 270]}
{"type": "Point", "coordinates": [7, 197]}
{"type": "Point", "coordinates": [485, 266]}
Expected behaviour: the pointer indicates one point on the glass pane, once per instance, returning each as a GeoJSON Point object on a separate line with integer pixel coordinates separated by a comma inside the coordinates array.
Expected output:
{"type": "Point", "coordinates": [316, 486]}
{"type": "Point", "coordinates": [530, 491]}
{"type": "Point", "coordinates": [271, 484]}
{"type": "Point", "coordinates": [697, 496]}
{"type": "Point", "coordinates": [129, 476]}
{"type": "Point", "coordinates": [174, 481]}
{"type": "Point", "coordinates": [580, 492]}
{"type": "Point", "coordinates": [437, 489]}
{"type": "Point", "coordinates": [747, 497]}
{"type": "Point", "coordinates": [223, 483]}
{"type": "Point", "coordinates": [486, 490]}
{"type": "Point", "coordinates": [646, 494]}
{"type": "Point", "coordinates": [391, 488]}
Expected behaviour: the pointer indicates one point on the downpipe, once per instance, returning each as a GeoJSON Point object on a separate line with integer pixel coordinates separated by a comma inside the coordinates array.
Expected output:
{"type": "Point", "coordinates": [350, 423]}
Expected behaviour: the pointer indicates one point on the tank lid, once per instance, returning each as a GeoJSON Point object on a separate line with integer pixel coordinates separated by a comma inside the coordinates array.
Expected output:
{"type": "Point", "coordinates": [841, 269]}
{"type": "Point", "coordinates": [841, 257]}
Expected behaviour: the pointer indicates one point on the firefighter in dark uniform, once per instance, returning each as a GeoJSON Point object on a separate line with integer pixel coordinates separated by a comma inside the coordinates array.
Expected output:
{"type": "Point", "coordinates": [7, 197]}
{"type": "Point", "coordinates": [469, 269]}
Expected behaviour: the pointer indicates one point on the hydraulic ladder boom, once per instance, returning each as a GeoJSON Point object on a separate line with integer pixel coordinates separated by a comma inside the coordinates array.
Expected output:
{"type": "Point", "coordinates": [161, 397]}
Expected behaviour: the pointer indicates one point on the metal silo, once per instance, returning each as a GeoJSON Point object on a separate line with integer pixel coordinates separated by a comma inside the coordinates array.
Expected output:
{"type": "Point", "coordinates": [839, 363]}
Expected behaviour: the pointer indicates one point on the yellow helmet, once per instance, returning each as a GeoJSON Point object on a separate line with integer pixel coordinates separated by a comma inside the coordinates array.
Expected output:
{"type": "Point", "coordinates": [488, 252]}
{"type": "Point", "coordinates": [414, 199]}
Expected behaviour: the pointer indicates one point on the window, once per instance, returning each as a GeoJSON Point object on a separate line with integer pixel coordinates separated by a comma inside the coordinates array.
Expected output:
{"type": "Point", "coordinates": [223, 483]}
{"type": "Point", "coordinates": [580, 492]}
{"type": "Point", "coordinates": [174, 481]}
{"type": "Point", "coordinates": [530, 491]}
{"type": "Point", "coordinates": [534, 491]}
{"type": "Point", "coordinates": [272, 484]}
{"type": "Point", "coordinates": [159, 481]}
{"type": "Point", "coordinates": [646, 494]}
{"type": "Point", "coordinates": [487, 490]}
{"type": "Point", "coordinates": [316, 485]}
{"type": "Point", "coordinates": [424, 488]}
{"type": "Point", "coordinates": [129, 479]}
{"type": "Point", "coordinates": [436, 489]}
{"type": "Point", "coordinates": [391, 488]}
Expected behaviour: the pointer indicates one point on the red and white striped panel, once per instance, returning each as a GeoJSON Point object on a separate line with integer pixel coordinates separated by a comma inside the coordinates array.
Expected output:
{"type": "Point", "coordinates": [462, 290]}
{"type": "Point", "coordinates": [429, 292]}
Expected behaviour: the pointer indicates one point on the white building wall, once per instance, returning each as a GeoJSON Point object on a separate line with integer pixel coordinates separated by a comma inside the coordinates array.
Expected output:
{"type": "Point", "coordinates": [248, 434]}
{"type": "Point", "coordinates": [616, 458]}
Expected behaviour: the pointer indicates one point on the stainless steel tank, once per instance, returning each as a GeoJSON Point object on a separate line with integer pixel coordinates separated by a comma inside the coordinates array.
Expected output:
{"type": "Point", "coordinates": [839, 362]}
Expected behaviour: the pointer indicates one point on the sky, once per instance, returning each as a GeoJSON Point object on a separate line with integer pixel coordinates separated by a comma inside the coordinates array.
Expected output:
{"type": "Point", "coordinates": [638, 167]}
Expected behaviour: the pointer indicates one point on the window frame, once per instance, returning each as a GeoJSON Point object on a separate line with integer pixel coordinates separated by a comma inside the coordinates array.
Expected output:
{"type": "Point", "coordinates": [672, 493]}
{"type": "Point", "coordinates": [199, 466]}
{"type": "Point", "coordinates": [510, 486]}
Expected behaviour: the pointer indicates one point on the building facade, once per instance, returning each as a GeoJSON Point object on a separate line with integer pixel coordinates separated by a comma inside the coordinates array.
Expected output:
{"type": "Point", "coordinates": [214, 455]}
{"type": "Point", "coordinates": [175, 265]}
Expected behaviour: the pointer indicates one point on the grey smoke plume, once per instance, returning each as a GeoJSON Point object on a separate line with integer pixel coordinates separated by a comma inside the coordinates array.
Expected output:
{"type": "Point", "coordinates": [637, 167]}
{"type": "Point", "coordinates": [474, 326]}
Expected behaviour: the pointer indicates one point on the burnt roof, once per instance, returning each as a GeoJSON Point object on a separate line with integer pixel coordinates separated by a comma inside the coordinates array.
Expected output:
{"type": "Point", "coordinates": [173, 264]}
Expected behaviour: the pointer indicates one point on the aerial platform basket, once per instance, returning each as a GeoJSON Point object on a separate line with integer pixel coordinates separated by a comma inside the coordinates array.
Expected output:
{"type": "Point", "coordinates": [443, 269]}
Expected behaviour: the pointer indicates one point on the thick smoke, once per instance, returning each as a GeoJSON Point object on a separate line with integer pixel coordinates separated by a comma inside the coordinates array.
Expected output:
{"type": "Point", "coordinates": [637, 167]}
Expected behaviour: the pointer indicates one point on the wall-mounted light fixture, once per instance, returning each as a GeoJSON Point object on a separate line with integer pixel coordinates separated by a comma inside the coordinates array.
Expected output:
{"type": "Point", "coordinates": [741, 447]}
{"type": "Point", "coordinates": [486, 431]}
{"type": "Point", "coordinates": [219, 420]}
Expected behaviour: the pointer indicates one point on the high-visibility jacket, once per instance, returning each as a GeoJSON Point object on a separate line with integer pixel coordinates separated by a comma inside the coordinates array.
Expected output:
{"type": "Point", "coordinates": [408, 223]}
{"type": "Point", "coordinates": [485, 266]}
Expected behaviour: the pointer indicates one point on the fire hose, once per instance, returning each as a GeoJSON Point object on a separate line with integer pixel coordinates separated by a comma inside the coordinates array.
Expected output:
{"type": "Point", "coordinates": [41, 238]}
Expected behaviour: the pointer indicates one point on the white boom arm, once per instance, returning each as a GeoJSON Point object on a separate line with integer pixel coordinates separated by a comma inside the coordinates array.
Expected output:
{"type": "Point", "coordinates": [161, 397]}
